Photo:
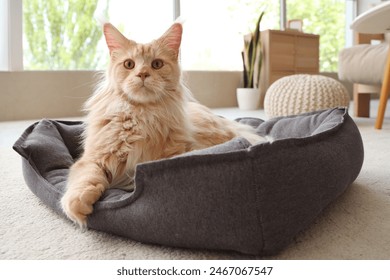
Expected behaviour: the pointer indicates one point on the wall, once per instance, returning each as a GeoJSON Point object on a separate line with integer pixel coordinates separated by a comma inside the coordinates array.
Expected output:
{"type": "Point", "coordinates": [56, 94]}
{"type": "Point", "coordinates": [213, 88]}
{"type": "Point", "coordinates": [35, 95]}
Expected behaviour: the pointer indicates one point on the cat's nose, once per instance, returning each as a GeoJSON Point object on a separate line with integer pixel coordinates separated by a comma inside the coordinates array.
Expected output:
{"type": "Point", "coordinates": [143, 75]}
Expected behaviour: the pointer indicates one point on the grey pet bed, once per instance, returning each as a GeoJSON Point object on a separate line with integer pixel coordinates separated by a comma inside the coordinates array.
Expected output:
{"type": "Point", "coordinates": [250, 199]}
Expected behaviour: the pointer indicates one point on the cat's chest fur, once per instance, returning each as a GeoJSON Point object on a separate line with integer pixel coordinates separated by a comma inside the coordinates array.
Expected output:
{"type": "Point", "coordinates": [136, 136]}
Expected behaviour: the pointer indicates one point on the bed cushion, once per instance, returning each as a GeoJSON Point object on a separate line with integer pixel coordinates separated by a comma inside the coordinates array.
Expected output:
{"type": "Point", "coordinates": [363, 64]}
{"type": "Point", "coordinates": [250, 199]}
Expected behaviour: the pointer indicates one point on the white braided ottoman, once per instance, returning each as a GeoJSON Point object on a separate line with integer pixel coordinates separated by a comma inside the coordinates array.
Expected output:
{"type": "Point", "coordinates": [297, 94]}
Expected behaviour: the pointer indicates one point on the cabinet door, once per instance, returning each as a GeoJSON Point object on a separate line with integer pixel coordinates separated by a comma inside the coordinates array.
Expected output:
{"type": "Point", "coordinates": [307, 53]}
{"type": "Point", "coordinates": [281, 52]}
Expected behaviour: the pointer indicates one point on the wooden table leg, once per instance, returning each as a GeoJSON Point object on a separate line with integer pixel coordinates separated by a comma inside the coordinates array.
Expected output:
{"type": "Point", "coordinates": [361, 104]}
{"type": "Point", "coordinates": [384, 94]}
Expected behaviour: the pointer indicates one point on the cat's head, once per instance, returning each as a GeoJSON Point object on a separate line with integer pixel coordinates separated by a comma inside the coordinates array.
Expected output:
{"type": "Point", "coordinates": [144, 73]}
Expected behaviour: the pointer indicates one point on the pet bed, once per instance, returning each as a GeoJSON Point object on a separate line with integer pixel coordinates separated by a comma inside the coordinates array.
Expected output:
{"type": "Point", "coordinates": [250, 199]}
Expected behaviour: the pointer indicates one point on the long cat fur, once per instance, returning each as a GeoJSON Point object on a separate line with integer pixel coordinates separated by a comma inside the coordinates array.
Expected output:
{"type": "Point", "coordinates": [138, 115]}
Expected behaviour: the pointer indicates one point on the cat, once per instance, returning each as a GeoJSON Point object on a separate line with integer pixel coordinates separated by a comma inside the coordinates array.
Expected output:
{"type": "Point", "coordinates": [141, 111]}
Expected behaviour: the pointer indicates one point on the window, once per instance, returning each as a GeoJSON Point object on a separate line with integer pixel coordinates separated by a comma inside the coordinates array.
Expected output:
{"type": "Point", "coordinates": [215, 29]}
{"type": "Point", "coordinates": [136, 20]}
{"type": "Point", "coordinates": [326, 18]}
{"type": "Point", "coordinates": [140, 20]}
{"type": "Point", "coordinates": [213, 37]}
{"type": "Point", "coordinates": [71, 40]}
{"type": "Point", "coordinates": [62, 35]}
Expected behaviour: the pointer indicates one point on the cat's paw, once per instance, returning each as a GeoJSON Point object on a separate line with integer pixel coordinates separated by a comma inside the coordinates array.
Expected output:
{"type": "Point", "coordinates": [77, 204]}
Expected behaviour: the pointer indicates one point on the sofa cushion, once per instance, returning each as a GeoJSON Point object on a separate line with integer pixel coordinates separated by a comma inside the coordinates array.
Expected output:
{"type": "Point", "coordinates": [363, 64]}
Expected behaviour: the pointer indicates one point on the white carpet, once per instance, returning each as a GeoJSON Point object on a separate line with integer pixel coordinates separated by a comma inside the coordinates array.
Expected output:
{"type": "Point", "coordinates": [356, 226]}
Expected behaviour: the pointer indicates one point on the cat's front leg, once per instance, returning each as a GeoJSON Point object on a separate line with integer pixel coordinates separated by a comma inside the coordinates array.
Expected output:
{"type": "Point", "coordinates": [86, 183]}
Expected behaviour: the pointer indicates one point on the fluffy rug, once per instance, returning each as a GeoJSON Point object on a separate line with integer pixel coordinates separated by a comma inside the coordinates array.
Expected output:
{"type": "Point", "coordinates": [356, 226]}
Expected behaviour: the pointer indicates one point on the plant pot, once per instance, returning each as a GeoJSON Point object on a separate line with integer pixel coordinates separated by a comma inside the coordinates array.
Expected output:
{"type": "Point", "coordinates": [248, 98]}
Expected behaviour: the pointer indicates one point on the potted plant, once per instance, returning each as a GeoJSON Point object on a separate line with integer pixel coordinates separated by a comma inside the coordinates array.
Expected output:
{"type": "Point", "coordinates": [249, 96]}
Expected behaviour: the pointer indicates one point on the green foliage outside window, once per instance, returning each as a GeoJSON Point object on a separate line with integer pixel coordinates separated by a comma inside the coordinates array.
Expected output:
{"type": "Point", "coordinates": [325, 18]}
{"type": "Point", "coordinates": [61, 34]}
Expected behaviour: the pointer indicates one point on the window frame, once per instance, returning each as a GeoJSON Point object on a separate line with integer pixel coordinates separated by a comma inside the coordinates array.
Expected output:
{"type": "Point", "coordinates": [11, 35]}
{"type": "Point", "coordinates": [350, 15]}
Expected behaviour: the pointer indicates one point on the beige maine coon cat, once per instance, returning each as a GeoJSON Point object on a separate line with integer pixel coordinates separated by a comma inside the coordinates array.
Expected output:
{"type": "Point", "coordinates": [139, 113]}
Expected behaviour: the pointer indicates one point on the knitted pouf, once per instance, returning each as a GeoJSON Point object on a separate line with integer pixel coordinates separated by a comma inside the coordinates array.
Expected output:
{"type": "Point", "coordinates": [296, 94]}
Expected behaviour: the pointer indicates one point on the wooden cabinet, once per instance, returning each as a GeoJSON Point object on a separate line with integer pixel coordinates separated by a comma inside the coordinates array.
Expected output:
{"type": "Point", "coordinates": [287, 53]}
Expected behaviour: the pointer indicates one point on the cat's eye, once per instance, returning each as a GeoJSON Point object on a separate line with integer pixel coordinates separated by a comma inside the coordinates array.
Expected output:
{"type": "Point", "coordinates": [157, 64]}
{"type": "Point", "coordinates": [129, 64]}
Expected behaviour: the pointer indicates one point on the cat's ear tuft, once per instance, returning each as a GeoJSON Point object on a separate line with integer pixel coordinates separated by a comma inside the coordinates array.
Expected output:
{"type": "Point", "coordinates": [172, 37]}
{"type": "Point", "coordinates": [114, 38]}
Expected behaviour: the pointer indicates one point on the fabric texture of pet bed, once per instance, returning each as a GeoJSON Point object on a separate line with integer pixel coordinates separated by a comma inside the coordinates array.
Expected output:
{"type": "Point", "coordinates": [250, 199]}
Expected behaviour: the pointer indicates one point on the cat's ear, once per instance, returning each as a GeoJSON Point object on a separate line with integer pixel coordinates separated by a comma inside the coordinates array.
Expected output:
{"type": "Point", "coordinates": [114, 38]}
{"type": "Point", "coordinates": [172, 37]}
